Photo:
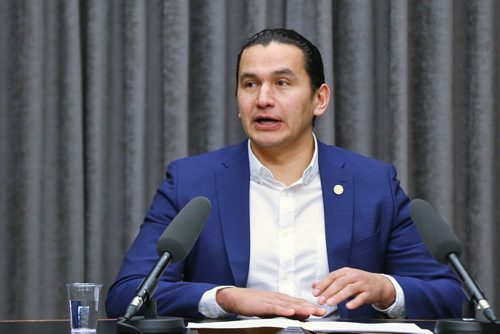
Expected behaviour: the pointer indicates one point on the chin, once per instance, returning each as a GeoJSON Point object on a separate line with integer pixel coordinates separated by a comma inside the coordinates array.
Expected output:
{"type": "Point", "coordinates": [266, 143]}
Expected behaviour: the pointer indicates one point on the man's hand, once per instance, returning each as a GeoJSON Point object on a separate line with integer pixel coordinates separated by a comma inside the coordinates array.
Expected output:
{"type": "Point", "coordinates": [250, 302]}
{"type": "Point", "coordinates": [364, 288]}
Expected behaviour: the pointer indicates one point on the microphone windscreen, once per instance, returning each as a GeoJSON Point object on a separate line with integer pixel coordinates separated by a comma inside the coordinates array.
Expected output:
{"type": "Point", "coordinates": [438, 237]}
{"type": "Point", "coordinates": [179, 237]}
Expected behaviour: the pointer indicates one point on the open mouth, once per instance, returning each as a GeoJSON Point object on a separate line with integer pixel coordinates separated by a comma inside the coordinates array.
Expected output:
{"type": "Point", "coordinates": [266, 121]}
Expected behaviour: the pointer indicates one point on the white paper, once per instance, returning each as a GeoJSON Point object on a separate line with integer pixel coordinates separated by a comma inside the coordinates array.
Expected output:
{"type": "Point", "coordinates": [249, 323]}
{"type": "Point", "coordinates": [356, 327]}
{"type": "Point", "coordinates": [316, 326]}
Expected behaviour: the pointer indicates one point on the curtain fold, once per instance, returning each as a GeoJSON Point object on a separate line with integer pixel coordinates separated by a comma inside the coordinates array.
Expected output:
{"type": "Point", "coordinates": [354, 62]}
{"type": "Point", "coordinates": [478, 124]}
{"type": "Point", "coordinates": [96, 97]}
{"type": "Point", "coordinates": [431, 79]}
{"type": "Point", "coordinates": [399, 134]}
{"type": "Point", "coordinates": [174, 105]}
{"type": "Point", "coordinates": [95, 34]}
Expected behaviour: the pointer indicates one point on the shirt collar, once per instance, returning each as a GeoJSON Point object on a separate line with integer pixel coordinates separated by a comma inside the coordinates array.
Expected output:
{"type": "Point", "coordinates": [259, 173]}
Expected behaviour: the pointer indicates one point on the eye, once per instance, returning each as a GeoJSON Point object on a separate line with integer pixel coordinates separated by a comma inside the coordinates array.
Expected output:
{"type": "Point", "coordinates": [249, 84]}
{"type": "Point", "coordinates": [282, 83]}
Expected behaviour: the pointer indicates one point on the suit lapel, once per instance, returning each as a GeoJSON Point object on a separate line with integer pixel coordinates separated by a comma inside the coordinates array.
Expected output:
{"type": "Point", "coordinates": [337, 187]}
{"type": "Point", "coordinates": [233, 182]}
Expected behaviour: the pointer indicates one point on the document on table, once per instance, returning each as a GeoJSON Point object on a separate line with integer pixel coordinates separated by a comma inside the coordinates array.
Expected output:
{"type": "Point", "coordinates": [315, 326]}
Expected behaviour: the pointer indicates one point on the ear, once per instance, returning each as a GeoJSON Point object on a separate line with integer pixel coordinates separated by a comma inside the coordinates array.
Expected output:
{"type": "Point", "coordinates": [322, 97]}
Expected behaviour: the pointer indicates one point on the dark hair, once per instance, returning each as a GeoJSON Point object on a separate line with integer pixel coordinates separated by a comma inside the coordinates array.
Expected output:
{"type": "Point", "coordinates": [313, 62]}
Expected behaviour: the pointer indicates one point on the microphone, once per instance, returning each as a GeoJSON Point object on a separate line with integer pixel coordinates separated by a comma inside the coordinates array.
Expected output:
{"type": "Point", "coordinates": [174, 245]}
{"type": "Point", "coordinates": [445, 247]}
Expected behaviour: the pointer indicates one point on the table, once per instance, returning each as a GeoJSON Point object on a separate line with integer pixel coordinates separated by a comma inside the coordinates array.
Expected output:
{"type": "Point", "coordinates": [105, 326]}
{"type": "Point", "coordinates": [108, 326]}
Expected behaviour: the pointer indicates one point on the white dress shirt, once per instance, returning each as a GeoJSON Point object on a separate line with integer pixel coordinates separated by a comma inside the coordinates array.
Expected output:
{"type": "Point", "coordinates": [287, 232]}
{"type": "Point", "coordinates": [287, 238]}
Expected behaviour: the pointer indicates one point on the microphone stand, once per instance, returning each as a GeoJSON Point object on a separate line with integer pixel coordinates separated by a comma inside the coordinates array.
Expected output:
{"type": "Point", "coordinates": [151, 322]}
{"type": "Point", "coordinates": [468, 324]}
{"type": "Point", "coordinates": [174, 245]}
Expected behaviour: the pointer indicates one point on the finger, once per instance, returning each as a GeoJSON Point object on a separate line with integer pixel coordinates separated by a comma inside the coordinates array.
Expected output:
{"type": "Point", "coordinates": [306, 312]}
{"type": "Point", "coordinates": [285, 303]}
{"type": "Point", "coordinates": [295, 311]}
{"type": "Point", "coordinates": [319, 312]}
{"type": "Point", "coordinates": [359, 300]}
{"type": "Point", "coordinates": [343, 293]}
{"type": "Point", "coordinates": [320, 286]}
{"type": "Point", "coordinates": [304, 307]}
{"type": "Point", "coordinates": [282, 311]}
{"type": "Point", "coordinates": [331, 296]}
{"type": "Point", "coordinates": [304, 317]}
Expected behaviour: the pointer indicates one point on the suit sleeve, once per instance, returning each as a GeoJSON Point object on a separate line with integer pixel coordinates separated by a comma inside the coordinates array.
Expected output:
{"type": "Point", "coordinates": [174, 296]}
{"type": "Point", "coordinates": [431, 289]}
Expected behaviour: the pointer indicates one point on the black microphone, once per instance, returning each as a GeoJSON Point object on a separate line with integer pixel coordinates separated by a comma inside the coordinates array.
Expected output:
{"type": "Point", "coordinates": [173, 246]}
{"type": "Point", "coordinates": [445, 247]}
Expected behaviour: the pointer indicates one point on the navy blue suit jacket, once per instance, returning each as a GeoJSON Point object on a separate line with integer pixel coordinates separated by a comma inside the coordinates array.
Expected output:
{"type": "Point", "coordinates": [367, 227]}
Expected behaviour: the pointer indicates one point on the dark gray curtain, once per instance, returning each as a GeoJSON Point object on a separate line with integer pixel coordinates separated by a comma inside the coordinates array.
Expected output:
{"type": "Point", "coordinates": [96, 97]}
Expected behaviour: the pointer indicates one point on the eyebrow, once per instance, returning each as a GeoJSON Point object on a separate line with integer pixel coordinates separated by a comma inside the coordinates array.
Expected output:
{"type": "Point", "coordinates": [284, 71]}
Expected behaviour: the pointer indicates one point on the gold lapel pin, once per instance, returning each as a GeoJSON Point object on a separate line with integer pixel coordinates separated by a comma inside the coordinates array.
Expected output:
{"type": "Point", "coordinates": [338, 189]}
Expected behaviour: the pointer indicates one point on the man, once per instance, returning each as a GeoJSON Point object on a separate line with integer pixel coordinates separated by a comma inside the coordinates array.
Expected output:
{"type": "Point", "coordinates": [297, 228]}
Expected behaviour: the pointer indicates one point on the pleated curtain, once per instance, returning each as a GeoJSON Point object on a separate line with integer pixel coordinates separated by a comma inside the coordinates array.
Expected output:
{"type": "Point", "coordinates": [97, 96]}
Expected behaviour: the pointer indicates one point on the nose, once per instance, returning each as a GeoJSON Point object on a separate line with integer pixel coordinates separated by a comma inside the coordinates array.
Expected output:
{"type": "Point", "coordinates": [265, 96]}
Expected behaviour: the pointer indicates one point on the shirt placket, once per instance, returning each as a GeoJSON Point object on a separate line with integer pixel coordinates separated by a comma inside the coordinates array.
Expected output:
{"type": "Point", "coordinates": [286, 244]}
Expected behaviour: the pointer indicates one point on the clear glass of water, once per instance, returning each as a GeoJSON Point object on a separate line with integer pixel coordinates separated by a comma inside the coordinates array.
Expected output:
{"type": "Point", "coordinates": [83, 306]}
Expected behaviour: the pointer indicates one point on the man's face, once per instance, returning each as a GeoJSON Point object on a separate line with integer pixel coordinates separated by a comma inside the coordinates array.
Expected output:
{"type": "Point", "coordinates": [275, 98]}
